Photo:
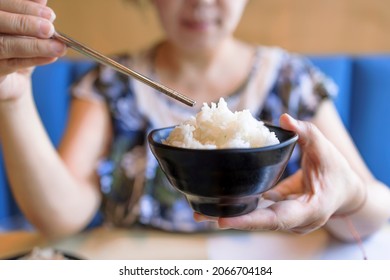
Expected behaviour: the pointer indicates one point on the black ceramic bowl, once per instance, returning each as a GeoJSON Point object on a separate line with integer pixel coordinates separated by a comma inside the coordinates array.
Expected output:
{"type": "Point", "coordinates": [223, 182]}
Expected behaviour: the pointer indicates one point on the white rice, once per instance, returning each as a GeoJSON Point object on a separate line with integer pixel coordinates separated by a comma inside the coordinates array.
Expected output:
{"type": "Point", "coordinates": [216, 127]}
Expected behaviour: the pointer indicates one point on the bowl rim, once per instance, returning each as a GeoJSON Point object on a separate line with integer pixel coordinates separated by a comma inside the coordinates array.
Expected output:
{"type": "Point", "coordinates": [289, 141]}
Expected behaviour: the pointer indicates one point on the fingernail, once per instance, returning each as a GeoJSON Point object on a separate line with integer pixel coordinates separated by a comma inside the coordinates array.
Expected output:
{"type": "Point", "coordinates": [48, 13]}
{"type": "Point", "coordinates": [57, 47]}
{"type": "Point", "coordinates": [289, 117]}
{"type": "Point", "coordinates": [46, 28]}
{"type": "Point", "coordinates": [293, 121]}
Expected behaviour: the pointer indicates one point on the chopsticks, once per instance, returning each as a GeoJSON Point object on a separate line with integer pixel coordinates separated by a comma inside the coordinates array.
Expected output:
{"type": "Point", "coordinates": [81, 48]}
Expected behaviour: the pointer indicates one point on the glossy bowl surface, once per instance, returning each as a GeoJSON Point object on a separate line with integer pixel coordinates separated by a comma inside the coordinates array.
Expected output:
{"type": "Point", "coordinates": [223, 182]}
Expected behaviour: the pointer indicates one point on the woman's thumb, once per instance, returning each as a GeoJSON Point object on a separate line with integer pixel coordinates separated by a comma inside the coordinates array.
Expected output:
{"type": "Point", "coordinates": [307, 132]}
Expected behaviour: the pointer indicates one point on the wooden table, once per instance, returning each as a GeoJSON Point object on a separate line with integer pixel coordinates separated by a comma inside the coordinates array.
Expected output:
{"type": "Point", "coordinates": [144, 244]}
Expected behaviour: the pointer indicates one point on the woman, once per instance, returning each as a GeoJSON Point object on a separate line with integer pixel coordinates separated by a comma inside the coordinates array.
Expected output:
{"type": "Point", "coordinates": [104, 145]}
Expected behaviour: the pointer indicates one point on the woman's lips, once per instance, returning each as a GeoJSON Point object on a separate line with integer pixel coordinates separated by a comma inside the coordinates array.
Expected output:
{"type": "Point", "coordinates": [197, 25]}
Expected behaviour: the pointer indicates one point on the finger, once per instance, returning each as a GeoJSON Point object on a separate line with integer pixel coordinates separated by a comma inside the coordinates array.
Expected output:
{"type": "Point", "coordinates": [290, 185]}
{"type": "Point", "coordinates": [305, 229]}
{"type": "Point", "coordinates": [264, 203]}
{"type": "Point", "coordinates": [28, 8]}
{"type": "Point", "coordinates": [309, 134]}
{"type": "Point", "coordinates": [24, 47]}
{"type": "Point", "coordinates": [12, 65]}
{"type": "Point", "coordinates": [22, 25]}
{"type": "Point", "coordinates": [289, 123]}
{"type": "Point", "coordinates": [316, 149]}
{"type": "Point", "coordinates": [42, 2]}
{"type": "Point", "coordinates": [284, 215]}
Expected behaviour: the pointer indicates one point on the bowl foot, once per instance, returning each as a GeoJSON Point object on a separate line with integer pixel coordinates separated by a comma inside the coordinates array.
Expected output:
{"type": "Point", "coordinates": [224, 207]}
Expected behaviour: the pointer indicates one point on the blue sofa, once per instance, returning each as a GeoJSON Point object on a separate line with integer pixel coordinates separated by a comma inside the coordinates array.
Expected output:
{"type": "Point", "coordinates": [363, 103]}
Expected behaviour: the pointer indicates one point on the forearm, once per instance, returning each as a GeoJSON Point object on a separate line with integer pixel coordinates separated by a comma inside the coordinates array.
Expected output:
{"type": "Point", "coordinates": [50, 197]}
{"type": "Point", "coordinates": [369, 218]}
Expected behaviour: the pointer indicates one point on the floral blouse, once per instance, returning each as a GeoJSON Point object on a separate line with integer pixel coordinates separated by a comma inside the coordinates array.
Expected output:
{"type": "Point", "coordinates": [134, 188]}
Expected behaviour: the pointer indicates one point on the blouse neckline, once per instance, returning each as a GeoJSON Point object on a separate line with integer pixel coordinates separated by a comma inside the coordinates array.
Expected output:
{"type": "Point", "coordinates": [235, 94]}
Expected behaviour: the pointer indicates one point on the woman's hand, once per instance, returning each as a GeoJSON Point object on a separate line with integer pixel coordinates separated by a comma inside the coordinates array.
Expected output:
{"type": "Point", "coordinates": [25, 30]}
{"type": "Point", "coordinates": [303, 202]}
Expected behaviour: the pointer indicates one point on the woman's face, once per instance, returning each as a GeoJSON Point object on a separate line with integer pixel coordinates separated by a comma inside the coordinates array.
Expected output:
{"type": "Point", "coordinates": [197, 24]}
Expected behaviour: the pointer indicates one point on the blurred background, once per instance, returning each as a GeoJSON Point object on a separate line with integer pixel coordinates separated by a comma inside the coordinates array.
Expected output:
{"type": "Point", "coordinates": [305, 26]}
